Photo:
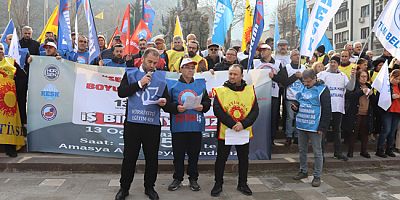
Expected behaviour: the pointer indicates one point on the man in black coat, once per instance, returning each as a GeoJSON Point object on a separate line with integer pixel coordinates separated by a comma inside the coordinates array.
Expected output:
{"type": "Point", "coordinates": [28, 42]}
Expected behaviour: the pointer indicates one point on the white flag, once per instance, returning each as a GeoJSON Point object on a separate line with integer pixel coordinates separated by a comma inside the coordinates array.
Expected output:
{"type": "Point", "coordinates": [387, 28]}
{"type": "Point", "coordinates": [382, 84]}
{"type": "Point", "coordinates": [13, 50]}
{"type": "Point", "coordinates": [321, 14]}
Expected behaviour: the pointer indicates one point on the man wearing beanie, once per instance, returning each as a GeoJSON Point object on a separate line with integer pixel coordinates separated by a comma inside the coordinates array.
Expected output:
{"type": "Point", "coordinates": [338, 83]}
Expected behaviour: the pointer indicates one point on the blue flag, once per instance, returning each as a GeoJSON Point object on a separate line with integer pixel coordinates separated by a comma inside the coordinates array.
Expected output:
{"type": "Point", "coordinates": [64, 28]}
{"type": "Point", "coordinates": [94, 48]}
{"type": "Point", "coordinates": [277, 36]}
{"type": "Point", "coordinates": [148, 14]}
{"type": "Point", "coordinates": [222, 21]}
{"type": "Point", "coordinates": [301, 17]}
{"type": "Point", "coordinates": [258, 28]}
{"type": "Point", "coordinates": [327, 43]}
{"type": "Point", "coordinates": [9, 30]}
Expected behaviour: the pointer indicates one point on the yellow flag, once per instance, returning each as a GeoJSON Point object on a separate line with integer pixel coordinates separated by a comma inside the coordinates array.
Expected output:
{"type": "Point", "coordinates": [51, 26]}
{"type": "Point", "coordinates": [178, 28]}
{"type": "Point", "coordinates": [247, 26]}
{"type": "Point", "coordinates": [9, 5]}
{"type": "Point", "coordinates": [100, 15]}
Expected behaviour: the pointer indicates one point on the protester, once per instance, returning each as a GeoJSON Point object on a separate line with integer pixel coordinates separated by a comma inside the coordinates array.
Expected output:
{"type": "Point", "coordinates": [187, 133]}
{"type": "Point", "coordinates": [345, 65]}
{"type": "Point", "coordinates": [136, 59]}
{"type": "Point", "coordinates": [362, 64]}
{"type": "Point", "coordinates": [360, 113]}
{"type": "Point", "coordinates": [27, 42]}
{"type": "Point", "coordinates": [338, 83]}
{"type": "Point", "coordinates": [321, 56]}
{"type": "Point", "coordinates": [107, 53]}
{"type": "Point", "coordinates": [50, 49]}
{"type": "Point", "coordinates": [193, 48]}
{"type": "Point", "coordinates": [310, 61]}
{"type": "Point", "coordinates": [102, 42]}
{"type": "Point", "coordinates": [82, 55]}
{"type": "Point", "coordinates": [12, 135]}
{"type": "Point", "coordinates": [48, 36]}
{"type": "Point", "coordinates": [233, 96]}
{"type": "Point", "coordinates": [213, 58]}
{"type": "Point", "coordinates": [176, 53]}
{"type": "Point", "coordinates": [244, 54]}
{"type": "Point", "coordinates": [270, 42]}
{"type": "Point", "coordinates": [390, 118]}
{"type": "Point", "coordinates": [267, 62]}
{"type": "Point", "coordinates": [117, 59]}
{"type": "Point", "coordinates": [282, 55]}
{"type": "Point", "coordinates": [314, 97]}
{"type": "Point", "coordinates": [145, 133]}
{"type": "Point", "coordinates": [318, 67]}
{"type": "Point", "coordinates": [290, 79]}
{"type": "Point", "coordinates": [160, 45]}
{"type": "Point", "coordinates": [230, 59]}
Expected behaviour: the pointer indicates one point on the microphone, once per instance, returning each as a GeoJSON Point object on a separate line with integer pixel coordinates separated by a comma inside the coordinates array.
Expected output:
{"type": "Point", "coordinates": [150, 75]}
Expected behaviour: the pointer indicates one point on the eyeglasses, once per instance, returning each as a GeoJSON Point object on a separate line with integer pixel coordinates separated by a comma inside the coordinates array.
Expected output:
{"type": "Point", "coordinates": [83, 41]}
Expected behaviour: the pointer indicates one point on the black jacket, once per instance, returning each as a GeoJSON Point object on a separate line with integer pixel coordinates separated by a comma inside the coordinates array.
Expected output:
{"type": "Point", "coordinates": [32, 45]}
{"type": "Point", "coordinates": [211, 62]}
{"type": "Point", "coordinates": [352, 109]}
{"type": "Point", "coordinates": [283, 79]}
{"type": "Point", "coordinates": [205, 101]}
{"type": "Point", "coordinates": [225, 118]}
{"type": "Point", "coordinates": [126, 90]}
{"type": "Point", "coordinates": [224, 65]}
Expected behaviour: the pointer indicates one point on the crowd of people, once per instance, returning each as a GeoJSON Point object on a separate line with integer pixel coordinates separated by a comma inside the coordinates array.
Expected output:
{"type": "Point", "coordinates": [326, 96]}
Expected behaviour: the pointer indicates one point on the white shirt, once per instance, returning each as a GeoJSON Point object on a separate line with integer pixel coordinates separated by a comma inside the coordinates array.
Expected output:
{"type": "Point", "coordinates": [336, 82]}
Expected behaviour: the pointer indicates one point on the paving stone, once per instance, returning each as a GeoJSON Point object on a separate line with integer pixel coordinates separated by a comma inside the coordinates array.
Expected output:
{"type": "Point", "coordinates": [365, 177]}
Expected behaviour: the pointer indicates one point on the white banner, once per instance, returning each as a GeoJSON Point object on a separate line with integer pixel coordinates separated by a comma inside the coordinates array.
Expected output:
{"type": "Point", "coordinates": [387, 28]}
{"type": "Point", "coordinates": [321, 14]}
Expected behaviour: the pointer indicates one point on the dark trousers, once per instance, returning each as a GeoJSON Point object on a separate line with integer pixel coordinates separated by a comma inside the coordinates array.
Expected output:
{"type": "Point", "coordinates": [390, 122]}
{"type": "Point", "coordinates": [362, 130]}
{"type": "Point", "coordinates": [186, 143]}
{"type": "Point", "coordinates": [9, 148]}
{"type": "Point", "coordinates": [336, 122]}
{"type": "Point", "coordinates": [222, 156]}
{"type": "Point", "coordinates": [275, 114]}
{"type": "Point", "coordinates": [135, 136]}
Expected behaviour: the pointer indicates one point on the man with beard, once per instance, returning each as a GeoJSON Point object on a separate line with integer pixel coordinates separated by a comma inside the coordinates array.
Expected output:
{"type": "Point", "coordinates": [282, 54]}
{"type": "Point", "coordinates": [135, 58]}
{"type": "Point", "coordinates": [193, 47]}
{"type": "Point", "coordinates": [117, 60]}
{"type": "Point", "coordinates": [176, 53]}
{"type": "Point", "coordinates": [28, 42]}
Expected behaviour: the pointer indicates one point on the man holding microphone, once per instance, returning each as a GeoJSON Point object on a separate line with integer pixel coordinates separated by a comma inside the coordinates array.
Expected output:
{"type": "Point", "coordinates": [147, 92]}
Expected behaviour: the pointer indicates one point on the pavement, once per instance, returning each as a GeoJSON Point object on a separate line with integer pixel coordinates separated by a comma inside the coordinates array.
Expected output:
{"type": "Point", "coordinates": [338, 184]}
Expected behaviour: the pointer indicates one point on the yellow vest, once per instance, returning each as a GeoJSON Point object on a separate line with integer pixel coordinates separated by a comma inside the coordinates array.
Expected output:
{"type": "Point", "coordinates": [347, 70]}
{"type": "Point", "coordinates": [9, 112]}
{"type": "Point", "coordinates": [321, 58]}
{"type": "Point", "coordinates": [196, 58]}
{"type": "Point", "coordinates": [173, 57]}
{"type": "Point", "coordinates": [236, 104]}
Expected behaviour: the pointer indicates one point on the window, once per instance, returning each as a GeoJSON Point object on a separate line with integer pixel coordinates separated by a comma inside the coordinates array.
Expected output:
{"type": "Point", "coordinates": [378, 8]}
{"type": "Point", "coordinates": [342, 16]}
{"type": "Point", "coordinates": [364, 33]}
{"type": "Point", "coordinates": [365, 11]}
{"type": "Point", "coordinates": [342, 37]}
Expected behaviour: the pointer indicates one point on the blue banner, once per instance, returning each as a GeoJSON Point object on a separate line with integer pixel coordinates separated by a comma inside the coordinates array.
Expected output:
{"type": "Point", "coordinates": [94, 48]}
{"type": "Point", "coordinates": [222, 21]}
{"type": "Point", "coordinates": [148, 14]}
{"type": "Point", "coordinates": [277, 36]}
{"type": "Point", "coordinates": [258, 27]}
{"type": "Point", "coordinates": [64, 27]}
